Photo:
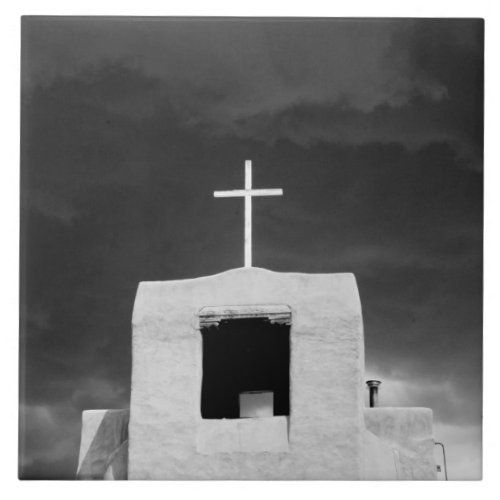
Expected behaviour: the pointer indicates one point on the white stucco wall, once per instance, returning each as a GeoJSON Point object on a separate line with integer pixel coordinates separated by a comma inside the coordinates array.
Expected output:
{"type": "Point", "coordinates": [408, 433]}
{"type": "Point", "coordinates": [325, 427]}
{"type": "Point", "coordinates": [380, 461]}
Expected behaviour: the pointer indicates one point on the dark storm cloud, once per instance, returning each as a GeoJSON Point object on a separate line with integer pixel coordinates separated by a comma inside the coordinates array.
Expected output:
{"type": "Point", "coordinates": [272, 80]}
{"type": "Point", "coordinates": [241, 67]}
{"type": "Point", "coordinates": [373, 130]}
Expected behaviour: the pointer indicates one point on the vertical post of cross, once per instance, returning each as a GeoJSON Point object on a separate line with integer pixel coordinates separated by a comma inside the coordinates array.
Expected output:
{"type": "Point", "coordinates": [248, 213]}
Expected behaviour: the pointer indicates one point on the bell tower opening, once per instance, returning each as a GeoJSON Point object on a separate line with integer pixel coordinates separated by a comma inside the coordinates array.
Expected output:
{"type": "Point", "coordinates": [246, 365]}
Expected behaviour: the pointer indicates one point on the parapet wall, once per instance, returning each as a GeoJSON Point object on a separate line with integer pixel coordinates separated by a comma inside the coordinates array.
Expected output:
{"type": "Point", "coordinates": [408, 433]}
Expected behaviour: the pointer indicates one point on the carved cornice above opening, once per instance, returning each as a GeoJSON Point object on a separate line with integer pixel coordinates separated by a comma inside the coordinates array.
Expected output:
{"type": "Point", "coordinates": [275, 313]}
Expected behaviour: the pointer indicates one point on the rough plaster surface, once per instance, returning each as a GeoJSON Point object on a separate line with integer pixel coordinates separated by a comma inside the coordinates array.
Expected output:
{"type": "Point", "coordinates": [326, 369]}
{"type": "Point", "coordinates": [409, 433]}
{"type": "Point", "coordinates": [379, 460]}
{"type": "Point", "coordinates": [249, 435]}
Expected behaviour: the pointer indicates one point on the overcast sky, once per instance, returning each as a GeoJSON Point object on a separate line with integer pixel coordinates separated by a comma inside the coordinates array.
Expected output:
{"type": "Point", "coordinates": [372, 128]}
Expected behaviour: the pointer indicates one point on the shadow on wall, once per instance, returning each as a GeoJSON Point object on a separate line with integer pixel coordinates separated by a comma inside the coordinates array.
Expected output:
{"type": "Point", "coordinates": [104, 445]}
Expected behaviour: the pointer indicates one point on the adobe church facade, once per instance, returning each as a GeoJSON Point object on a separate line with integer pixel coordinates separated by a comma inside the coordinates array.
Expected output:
{"type": "Point", "coordinates": [202, 349]}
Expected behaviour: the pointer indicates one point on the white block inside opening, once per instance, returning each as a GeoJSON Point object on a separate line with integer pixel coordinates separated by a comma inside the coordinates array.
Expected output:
{"type": "Point", "coordinates": [255, 404]}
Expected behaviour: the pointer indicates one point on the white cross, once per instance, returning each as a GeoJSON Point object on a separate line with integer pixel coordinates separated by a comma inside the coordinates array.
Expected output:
{"type": "Point", "coordinates": [247, 193]}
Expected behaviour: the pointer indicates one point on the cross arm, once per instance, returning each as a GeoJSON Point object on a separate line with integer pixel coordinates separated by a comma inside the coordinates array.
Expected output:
{"type": "Point", "coordinates": [229, 194]}
{"type": "Point", "coordinates": [266, 192]}
{"type": "Point", "coordinates": [245, 192]}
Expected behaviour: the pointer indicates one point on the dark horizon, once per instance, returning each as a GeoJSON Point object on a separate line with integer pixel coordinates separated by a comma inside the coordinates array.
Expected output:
{"type": "Point", "coordinates": [374, 130]}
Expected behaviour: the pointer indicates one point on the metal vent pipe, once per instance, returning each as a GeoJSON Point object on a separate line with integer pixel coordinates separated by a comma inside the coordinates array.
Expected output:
{"type": "Point", "coordinates": [373, 386]}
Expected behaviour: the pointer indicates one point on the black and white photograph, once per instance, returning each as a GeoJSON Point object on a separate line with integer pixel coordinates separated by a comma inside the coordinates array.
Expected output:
{"type": "Point", "coordinates": [251, 248]}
